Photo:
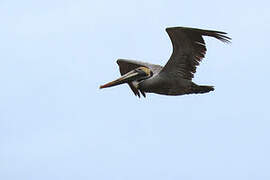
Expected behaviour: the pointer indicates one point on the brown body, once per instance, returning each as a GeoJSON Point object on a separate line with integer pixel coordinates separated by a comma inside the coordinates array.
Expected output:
{"type": "Point", "coordinates": [175, 78]}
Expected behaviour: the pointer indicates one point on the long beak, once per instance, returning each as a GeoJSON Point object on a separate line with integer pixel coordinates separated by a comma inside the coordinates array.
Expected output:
{"type": "Point", "coordinates": [130, 76]}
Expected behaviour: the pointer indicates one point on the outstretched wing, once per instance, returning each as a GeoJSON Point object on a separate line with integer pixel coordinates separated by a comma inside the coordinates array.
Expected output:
{"type": "Point", "coordinates": [126, 65]}
{"type": "Point", "coordinates": [188, 50]}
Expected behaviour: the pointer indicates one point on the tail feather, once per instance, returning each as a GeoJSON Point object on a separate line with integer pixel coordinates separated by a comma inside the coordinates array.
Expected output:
{"type": "Point", "coordinates": [201, 89]}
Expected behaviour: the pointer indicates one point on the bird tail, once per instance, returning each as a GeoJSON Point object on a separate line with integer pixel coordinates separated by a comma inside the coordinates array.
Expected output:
{"type": "Point", "coordinates": [201, 89]}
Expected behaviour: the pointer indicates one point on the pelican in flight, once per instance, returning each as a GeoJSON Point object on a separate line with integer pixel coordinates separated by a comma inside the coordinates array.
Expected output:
{"type": "Point", "coordinates": [175, 78]}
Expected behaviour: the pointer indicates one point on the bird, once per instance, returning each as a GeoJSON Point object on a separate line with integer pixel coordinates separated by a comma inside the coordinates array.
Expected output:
{"type": "Point", "coordinates": [175, 78]}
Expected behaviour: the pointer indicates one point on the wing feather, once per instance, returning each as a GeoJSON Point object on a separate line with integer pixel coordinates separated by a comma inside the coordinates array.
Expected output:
{"type": "Point", "coordinates": [188, 50]}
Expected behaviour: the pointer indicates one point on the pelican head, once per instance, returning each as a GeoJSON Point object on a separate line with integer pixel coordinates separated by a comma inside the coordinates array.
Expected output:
{"type": "Point", "coordinates": [138, 74]}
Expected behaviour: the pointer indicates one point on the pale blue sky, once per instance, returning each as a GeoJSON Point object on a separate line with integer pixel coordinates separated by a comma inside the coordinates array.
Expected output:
{"type": "Point", "coordinates": [56, 124]}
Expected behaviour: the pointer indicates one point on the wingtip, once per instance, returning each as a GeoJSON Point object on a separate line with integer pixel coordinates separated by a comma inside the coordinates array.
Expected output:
{"type": "Point", "coordinates": [218, 34]}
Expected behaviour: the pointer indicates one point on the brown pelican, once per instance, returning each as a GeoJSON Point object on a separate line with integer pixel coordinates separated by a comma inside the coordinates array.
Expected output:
{"type": "Point", "coordinates": [175, 78]}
